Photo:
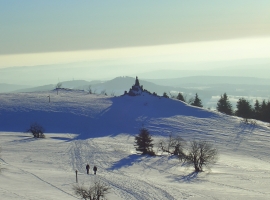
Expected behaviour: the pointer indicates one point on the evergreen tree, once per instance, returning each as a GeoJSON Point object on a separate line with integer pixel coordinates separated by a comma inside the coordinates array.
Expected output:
{"type": "Point", "coordinates": [180, 97]}
{"type": "Point", "coordinates": [257, 110]}
{"type": "Point", "coordinates": [197, 101]}
{"type": "Point", "coordinates": [165, 95]}
{"type": "Point", "coordinates": [265, 108]}
{"type": "Point", "coordinates": [267, 119]}
{"type": "Point", "coordinates": [244, 109]}
{"type": "Point", "coordinates": [224, 105]}
{"type": "Point", "coordinates": [143, 142]}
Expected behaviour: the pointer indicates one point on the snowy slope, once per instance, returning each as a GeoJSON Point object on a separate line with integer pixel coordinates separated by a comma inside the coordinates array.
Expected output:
{"type": "Point", "coordinates": [44, 168]}
{"type": "Point", "coordinates": [89, 115]}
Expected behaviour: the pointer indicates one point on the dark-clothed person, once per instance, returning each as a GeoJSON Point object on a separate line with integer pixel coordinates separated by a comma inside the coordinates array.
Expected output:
{"type": "Point", "coordinates": [95, 169]}
{"type": "Point", "coordinates": [87, 168]}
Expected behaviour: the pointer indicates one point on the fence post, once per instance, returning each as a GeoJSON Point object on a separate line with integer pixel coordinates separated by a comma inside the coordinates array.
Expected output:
{"type": "Point", "coordinates": [76, 175]}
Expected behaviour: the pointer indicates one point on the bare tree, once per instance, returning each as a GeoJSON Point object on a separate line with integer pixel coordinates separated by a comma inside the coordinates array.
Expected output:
{"type": "Point", "coordinates": [172, 96]}
{"type": "Point", "coordinates": [201, 153]}
{"type": "Point", "coordinates": [174, 145]}
{"type": "Point", "coordinates": [191, 100]}
{"type": "Point", "coordinates": [58, 86]}
{"type": "Point", "coordinates": [103, 92]}
{"type": "Point", "coordinates": [37, 130]}
{"type": "Point", "coordinates": [89, 89]}
{"type": "Point", "coordinates": [113, 94]}
{"type": "Point", "coordinates": [97, 191]}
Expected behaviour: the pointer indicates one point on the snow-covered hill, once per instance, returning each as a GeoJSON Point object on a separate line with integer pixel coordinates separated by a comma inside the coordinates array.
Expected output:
{"type": "Point", "coordinates": [105, 128]}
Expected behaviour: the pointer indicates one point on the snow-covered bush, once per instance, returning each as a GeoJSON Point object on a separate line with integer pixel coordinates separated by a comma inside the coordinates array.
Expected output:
{"type": "Point", "coordinates": [37, 130]}
{"type": "Point", "coordinates": [97, 191]}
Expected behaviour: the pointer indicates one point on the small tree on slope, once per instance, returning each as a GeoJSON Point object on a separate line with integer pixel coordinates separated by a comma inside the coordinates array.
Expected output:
{"type": "Point", "coordinates": [143, 142]}
{"type": "Point", "coordinates": [244, 109]}
{"type": "Point", "coordinates": [180, 97]}
{"type": "Point", "coordinates": [224, 105]}
{"type": "Point", "coordinates": [58, 86]}
{"type": "Point", "coordinates": [197, 101]}
{"type": "Point", "coordinates": [37, 130]}
{"type": "Point", "coordinates": [97, 191]}
{"type": "Point", "coordinates": [173, 145]}
{"type": "Point", "coordinates": [201, 154]}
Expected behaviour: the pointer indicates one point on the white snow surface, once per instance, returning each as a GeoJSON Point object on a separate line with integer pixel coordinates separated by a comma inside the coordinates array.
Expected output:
{"type": "Point", "coordinates": [99, 130]}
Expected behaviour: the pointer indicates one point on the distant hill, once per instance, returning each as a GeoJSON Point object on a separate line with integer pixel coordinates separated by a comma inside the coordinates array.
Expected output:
{"type": "Point", "coordinates": [121, 84]}
{"type": "Point", "coordinates": [10, 87]}
{"type": "Point", "coordinates": [75, 84]}
{"type": "Point", "coordinates": [211, 80]}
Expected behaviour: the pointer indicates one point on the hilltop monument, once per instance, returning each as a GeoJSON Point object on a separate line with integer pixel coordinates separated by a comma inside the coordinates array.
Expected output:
{"type": "Point", "coordinates": [136, 89]}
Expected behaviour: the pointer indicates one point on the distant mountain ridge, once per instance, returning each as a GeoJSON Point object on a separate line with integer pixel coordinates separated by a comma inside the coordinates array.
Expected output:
{"type": "Point", "coordinates": [4, 87]}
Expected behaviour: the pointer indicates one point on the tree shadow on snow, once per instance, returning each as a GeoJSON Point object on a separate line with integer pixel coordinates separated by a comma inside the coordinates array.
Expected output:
{"type": "Point", "coordinates": [62, 138]}
{"type": "Point", "coordinates": [192, 177]}
{"type": "Point", "coordinates": [125, 162]}
{"type": "Point", "coordinates": [28, 139]}
{"type": "Point", "coordinates": [242, 132]}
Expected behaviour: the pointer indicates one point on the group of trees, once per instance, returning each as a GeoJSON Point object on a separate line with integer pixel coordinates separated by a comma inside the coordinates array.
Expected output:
{"type": "Point", "coordinates": [198, 154]}
{"type": "Point", "coordinates": [194, 101]}
{"type": "Point", "coordinates": [260, 111]}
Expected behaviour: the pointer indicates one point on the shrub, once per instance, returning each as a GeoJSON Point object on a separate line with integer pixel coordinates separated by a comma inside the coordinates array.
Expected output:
{"type": "Point", "coordinates": [37, 130]}
{"type": "Point", "coordinates": [174, 145]}
{"type": "Point", "coordinates": [97, 191]}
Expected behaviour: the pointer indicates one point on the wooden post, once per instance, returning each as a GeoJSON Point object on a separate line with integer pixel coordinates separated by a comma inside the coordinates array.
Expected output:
{"type": "Point", "coordinates": [76, 176]}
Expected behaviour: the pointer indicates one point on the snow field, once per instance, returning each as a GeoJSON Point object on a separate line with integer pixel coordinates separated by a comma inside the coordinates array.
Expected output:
{"type": "Point", "coordinates": [45, 169]}
{"type": "Point", "coordinates": [103, 130]}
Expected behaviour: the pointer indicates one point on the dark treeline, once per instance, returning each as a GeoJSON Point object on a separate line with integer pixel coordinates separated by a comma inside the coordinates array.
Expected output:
{"type": "Point", "coordinates": [260, 111]}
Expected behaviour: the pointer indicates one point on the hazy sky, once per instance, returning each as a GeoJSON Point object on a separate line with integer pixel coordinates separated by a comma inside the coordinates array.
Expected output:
{"type": "Point", "coordinates": [53, 32]}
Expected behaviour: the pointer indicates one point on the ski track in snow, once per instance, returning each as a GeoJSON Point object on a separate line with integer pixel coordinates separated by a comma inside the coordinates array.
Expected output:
{"type": "Point", "coordinates": [129, 187]}
{"type": "Point", "coordinates": [42, 180]}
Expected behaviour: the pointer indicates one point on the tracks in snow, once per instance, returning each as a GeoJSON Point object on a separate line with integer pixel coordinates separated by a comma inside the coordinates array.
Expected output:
{"type": "Point", "coordinates": [37, 177]}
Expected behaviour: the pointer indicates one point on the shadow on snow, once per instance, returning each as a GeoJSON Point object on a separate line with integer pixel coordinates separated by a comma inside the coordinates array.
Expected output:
{"type": "Point", "coordinates": [126, 162]}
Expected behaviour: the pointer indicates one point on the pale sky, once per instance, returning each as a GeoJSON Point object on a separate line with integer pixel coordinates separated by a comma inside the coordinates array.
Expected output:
{"type": "Point", "coordinates": [133, 32]}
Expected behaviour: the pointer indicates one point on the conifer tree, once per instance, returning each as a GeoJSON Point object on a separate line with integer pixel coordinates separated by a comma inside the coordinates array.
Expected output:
{"type": "Point", "coordinates": [265, 109]}
{"type": "Point", "coordinates": [257, 110]}
{"type": "Point", "coordinates": [224, 105]}
{"type": "Point", "coordinates": [197, 101]}
{"type": "Point", "coordinates": [165, 95]}
{"type": "Point", "coordinates": [180, 97]}
{"type": "Point", "coordinates": [143, 142]}
{"type": "Point", "coordinates": [244, 109]}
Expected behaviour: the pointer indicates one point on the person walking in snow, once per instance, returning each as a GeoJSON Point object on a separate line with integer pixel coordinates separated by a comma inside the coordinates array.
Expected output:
{"type": "Point", "coordinates": [87, 168]}
{"type": "Point", "coordinates": [95, 169]}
